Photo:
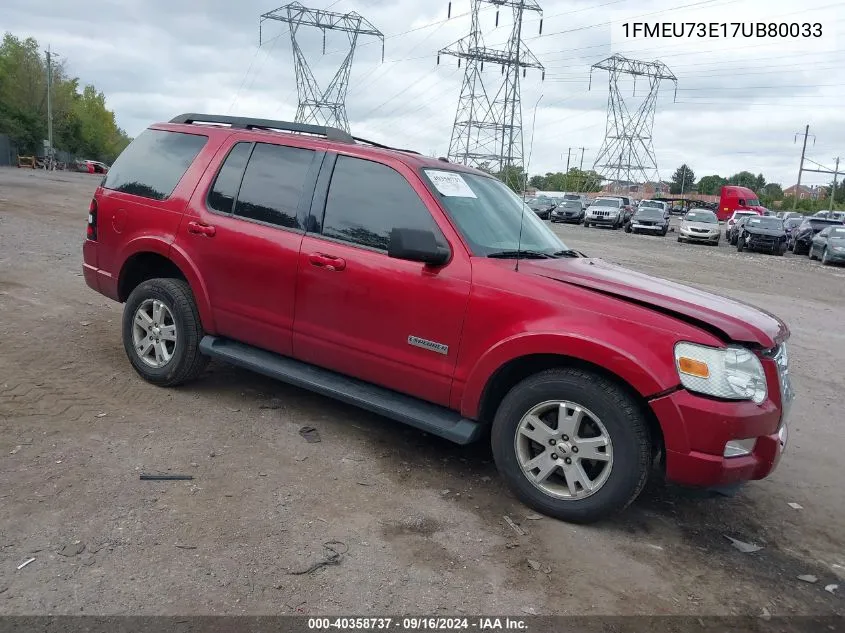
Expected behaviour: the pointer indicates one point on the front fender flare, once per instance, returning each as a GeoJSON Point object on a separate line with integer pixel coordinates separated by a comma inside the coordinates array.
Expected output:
{"type": "Point", "coordinates": [643, 368]}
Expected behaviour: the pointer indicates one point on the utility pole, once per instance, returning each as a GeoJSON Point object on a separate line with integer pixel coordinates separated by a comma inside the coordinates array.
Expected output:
{"type": "Point", "coordinates": [568, 155]}
{"type": "Point", "coordinates": [800, 168]}
{"type": "Point", "coordinates": [49, 157]}
{"type": "Point", "coordinates": [683, 178]}
{"type": "Point", "coordinates": [581, 179]}
{"type": "Point", "coordinates": [833, 190]}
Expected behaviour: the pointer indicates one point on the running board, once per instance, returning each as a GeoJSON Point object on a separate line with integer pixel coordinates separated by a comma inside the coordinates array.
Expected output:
{"type": "Point", "coordinates": [425, 416]}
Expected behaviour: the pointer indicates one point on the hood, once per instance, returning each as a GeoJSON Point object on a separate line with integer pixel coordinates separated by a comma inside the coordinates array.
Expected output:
{"type": "Point", "coordinates": [599, 207]}
{"type": "Point", "coordinates": [836, 241]}
{"type": "Point", "coordinates": [643, 218]}
{"type": "Point", "coordinates": [701, 225]}
{"type": "Point", "coordinates": [759, 230]}
{"type": "Point", "coordinates": [730, 319]}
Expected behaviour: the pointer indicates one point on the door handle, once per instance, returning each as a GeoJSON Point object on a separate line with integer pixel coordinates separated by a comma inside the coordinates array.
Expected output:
{"type": "Point", "coordinates": [201, 229]}
{"type": "Point", "coordinates": [327, 261]}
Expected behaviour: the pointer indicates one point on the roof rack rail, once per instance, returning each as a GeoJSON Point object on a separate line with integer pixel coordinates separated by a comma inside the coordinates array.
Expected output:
{"type": "Point", "coordinates": [381, 146]}
{"type": "Point", "coordinates": [248, 123]}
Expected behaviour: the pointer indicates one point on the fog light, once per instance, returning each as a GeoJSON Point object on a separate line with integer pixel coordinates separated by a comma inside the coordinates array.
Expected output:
{"type": "Point", "coordinates": [740, 448]}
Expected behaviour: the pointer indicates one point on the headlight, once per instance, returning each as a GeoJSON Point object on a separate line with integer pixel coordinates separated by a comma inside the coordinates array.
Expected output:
{"type": "Point", "coordinates": [733, 373]}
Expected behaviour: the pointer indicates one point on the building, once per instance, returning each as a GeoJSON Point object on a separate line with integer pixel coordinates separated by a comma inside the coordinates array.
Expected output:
{"type": "Point", "coordinates": [813, 192]}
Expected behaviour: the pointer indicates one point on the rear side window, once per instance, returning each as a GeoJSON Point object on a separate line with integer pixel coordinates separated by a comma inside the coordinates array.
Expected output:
{"type": "Point", "coordinates": [368, 200]}
{"type": "Point", "coordinates": [273, 184]}
{"type": "Point", "coordinates": [225, 190]}
{"type": "Point", "coordinates": [154, 163]}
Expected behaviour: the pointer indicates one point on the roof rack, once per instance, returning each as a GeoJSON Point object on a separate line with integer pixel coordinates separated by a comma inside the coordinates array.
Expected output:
{"type": "Point", "coordinates": [248, 123]}
{"type": "Point", "coordinates": [381, 146]}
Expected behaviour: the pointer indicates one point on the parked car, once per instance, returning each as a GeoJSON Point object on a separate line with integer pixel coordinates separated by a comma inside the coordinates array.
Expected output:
{"type": "Point", "coordinates": [736, 228]}
{"type": "Point", "coordinates": [803, 235]}
{"type": "Point", "coordinates": [735, 216]}
{"type": "Point", "coordinates": [605, 212]}
{"type": "Point", "coordinates": [569, 211]}
{"type": "Point", "coordinates": [650, 220]}
{"type": "Point", "coordinates": [542, 206]}
{"type": "Point", "coordinates": [829, 245]}
{"type": "Point", "coordinates": [656, 204]}
{"type": "Point", "coordinates": [764, 233]}
{"type": "Point", "coordinates": [423, 290]}
{"type": "Point", "coordinates": [789, 225]}
{"type": "Point", "coordinates": [578, 197]}
{"type": "Point", "coordinates": [785, 215]}
{"type": "Point", "coordinates": [627, 208]}
{"type": "Point", "coordinates": [700, 225]}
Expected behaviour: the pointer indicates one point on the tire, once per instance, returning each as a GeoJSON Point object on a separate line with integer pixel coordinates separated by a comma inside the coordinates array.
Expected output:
{"type": "Point", "coordinates": [619, 480]}
{"type": "Point", "coordinates": [664, 232]}
{"type": "Point", "coordinates": [586, 224]}
{"type": "Point", "coordinates": [739, 245]}
{"type": "Point", "coordinates": [628, 228]}
{"type": "Point", "coordinates": [716, 243]}
{"type": "Point", "coordinates": [680, 239]}
{"type": "Point", "coordinates": [825, 258]}
{"type": "Point", "coordinates": [810, 253]}
{"type": "Point", "coordinates": [186, 362]}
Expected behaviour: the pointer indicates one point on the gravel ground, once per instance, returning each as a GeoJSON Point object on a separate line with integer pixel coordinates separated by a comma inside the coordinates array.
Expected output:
{"type": "Point", "coordinates": [421, 521]}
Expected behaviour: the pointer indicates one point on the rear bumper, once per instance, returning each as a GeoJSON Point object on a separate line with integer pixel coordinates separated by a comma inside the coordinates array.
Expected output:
{"type": "Point", "coordinates": [696, 430]}
{"type": "Point", "coordinates": [97, 279]}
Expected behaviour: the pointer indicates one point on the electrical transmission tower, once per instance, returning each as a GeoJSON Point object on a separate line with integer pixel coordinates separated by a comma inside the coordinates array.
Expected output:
{"type": "Point", "coordinates": [322, 107]}
{"type": "Point", "coordinates": [487, 131]}
{"type": "Point", "coordinates": [627, 153]}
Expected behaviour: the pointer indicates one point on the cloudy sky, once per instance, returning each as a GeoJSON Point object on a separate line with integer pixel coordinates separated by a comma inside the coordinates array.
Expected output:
{"type": "Point", "coordinates": [739, 102]}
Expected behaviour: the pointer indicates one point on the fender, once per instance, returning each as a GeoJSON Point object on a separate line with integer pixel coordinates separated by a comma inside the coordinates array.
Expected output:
{"type": "Point", "coordinates": [153, 244]}
{"type": "Point", "coordinates": [645, 367]}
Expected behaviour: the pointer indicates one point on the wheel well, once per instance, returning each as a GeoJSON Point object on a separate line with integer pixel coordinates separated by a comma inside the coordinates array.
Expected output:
{"type": "Point", "coordinates": [142, 266]}
{"type": "Point", "coordinates": [516, 370]}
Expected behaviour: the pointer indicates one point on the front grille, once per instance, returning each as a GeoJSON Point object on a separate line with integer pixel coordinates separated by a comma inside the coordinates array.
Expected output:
{"type": "Point", "coordinates": [695, 230]}
{"type": "Point", "coordinates": [601, 214]}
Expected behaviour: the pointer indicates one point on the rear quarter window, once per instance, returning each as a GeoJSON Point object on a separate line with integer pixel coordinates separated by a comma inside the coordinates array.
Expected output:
{"type": "Point", "coordinates": [154, 163]}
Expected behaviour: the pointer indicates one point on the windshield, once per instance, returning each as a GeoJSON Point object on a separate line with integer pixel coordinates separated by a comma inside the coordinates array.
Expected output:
{"type": "Point", "coordinates": [571, 204]}
{"type": "Point", "coordinates": [651, 204]}
{"type": "Point", "coordinates": [752, 202]}
{"type": "Point", "coordinates": [818, 223]}
{"type": "Point", "coordinates": [649, 212]}
{"type": "Point", "coordinates": [571, 196]}
{"type": "Point", "coordinates": [837, 233]}
{"type": "Point", "coordinates": [766, 222]}
{"type": "Point", "coordinates": [791, 223]}
{"type": "Point", "coordinates": [607, 202]}
{"type": "Point", "coordinates": [708, 217]}
{"type": "Point", "coordinates": [489, 215]}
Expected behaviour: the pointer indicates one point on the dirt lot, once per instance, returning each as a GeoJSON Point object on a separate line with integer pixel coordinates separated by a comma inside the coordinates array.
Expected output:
{"type": "Point", "coordinates": [422, 520]}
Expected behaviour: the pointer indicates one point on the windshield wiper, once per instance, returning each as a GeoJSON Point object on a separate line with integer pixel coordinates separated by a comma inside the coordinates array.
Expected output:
{"type": "Point", "coordinates": [522, 254]}
{"type": "Point", "coordinates": [569, 253]}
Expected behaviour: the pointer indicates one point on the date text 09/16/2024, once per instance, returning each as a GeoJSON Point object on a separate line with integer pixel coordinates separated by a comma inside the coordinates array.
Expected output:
{"type": "Point", "coordinates": [417, 624]}
{"type": "Point", "coordinates": [722, 30]}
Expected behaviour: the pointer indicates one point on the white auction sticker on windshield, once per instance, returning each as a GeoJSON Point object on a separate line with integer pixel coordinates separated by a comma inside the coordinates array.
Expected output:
{"type": "Point", "coordinates": [450, 184]}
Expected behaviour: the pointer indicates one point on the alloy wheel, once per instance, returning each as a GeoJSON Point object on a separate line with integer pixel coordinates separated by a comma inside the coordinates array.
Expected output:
{"type": "Point", "coordinates": [564, 450]}
{"type": "Point", "coordinates": [154, 333]}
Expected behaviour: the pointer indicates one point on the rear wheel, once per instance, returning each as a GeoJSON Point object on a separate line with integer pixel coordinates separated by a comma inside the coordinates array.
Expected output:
{"type": "Point", "coordinates": [162, 332]}
{"type": "Point", "coordinates": [572, 444]}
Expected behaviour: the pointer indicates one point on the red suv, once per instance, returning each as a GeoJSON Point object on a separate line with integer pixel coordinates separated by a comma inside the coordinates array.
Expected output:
{"type": "Point", "coordinates": [427, 292]}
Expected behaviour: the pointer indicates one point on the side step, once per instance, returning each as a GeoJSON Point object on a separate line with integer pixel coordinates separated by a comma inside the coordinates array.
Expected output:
{"type": "Point", "coordinates": [425, 416]}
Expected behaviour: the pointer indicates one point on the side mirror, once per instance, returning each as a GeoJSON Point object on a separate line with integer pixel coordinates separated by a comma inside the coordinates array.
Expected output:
{"type": "Point", "coordinates": [416, 245]}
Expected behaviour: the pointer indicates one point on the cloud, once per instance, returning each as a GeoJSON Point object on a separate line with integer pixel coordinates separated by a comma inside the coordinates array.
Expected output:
{"type": "Point", "coordinates": [739, 101]}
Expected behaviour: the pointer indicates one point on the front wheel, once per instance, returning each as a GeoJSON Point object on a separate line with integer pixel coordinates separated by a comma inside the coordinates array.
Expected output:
{"type": "Point", "coordinates": [162, 332]}
{"type": "Point", "coordinates": [572, 444]}
{"type": "Point", "coordinates": [825, 257]}
{"type": "Point", "coordinates": [810, 253]}
{"type": "Point", "coordinates": [739, 245]}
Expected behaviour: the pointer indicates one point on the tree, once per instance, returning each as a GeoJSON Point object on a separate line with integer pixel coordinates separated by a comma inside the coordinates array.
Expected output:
{"type": "Point", "coordinates": [538, 182]}
{"type": "Point", "coordinates": [773, 191]}
{"type": "Point", "coordinates": [513, 176]}
{"type": "Point", "coordinates": [682, 180]}
{"type": "Point", "coordinates": [760, 183]}
{"type": "Point", "coordinates": [744, 179]}
{"type": "Point", "coordinates": [711, 185]}
{"type": "Point", "coordinates": [82, 124]}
